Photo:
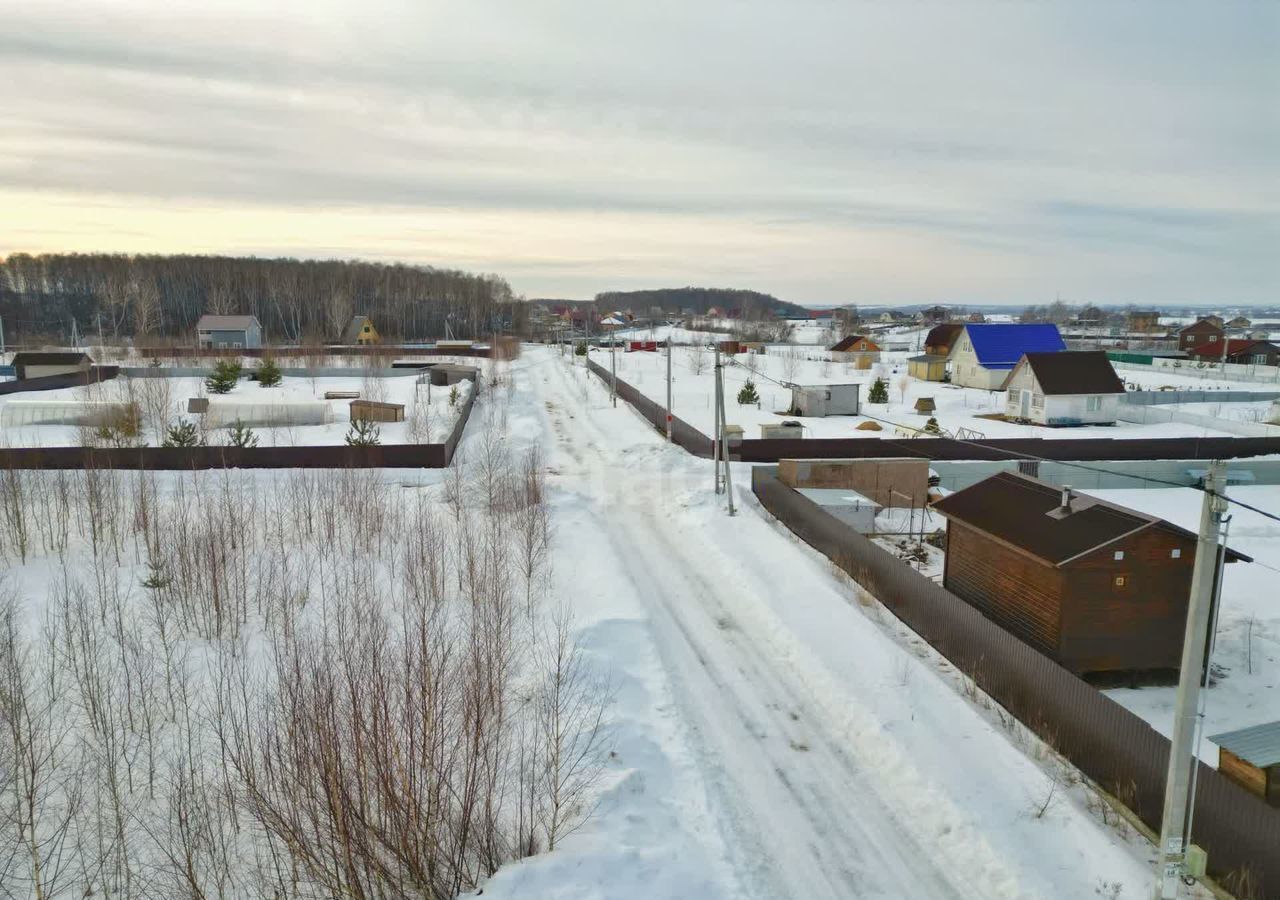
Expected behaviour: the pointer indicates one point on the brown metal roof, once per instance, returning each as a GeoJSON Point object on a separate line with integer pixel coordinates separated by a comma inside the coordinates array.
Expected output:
{"type": "Point", "coordinates": [846, 344]}
{"type": "Point", "coordinates": [1015, 509]}
{"type": "Point", "coordinates": [943, 334]}
{"type": "Point", "coordinates": [1074, 372]}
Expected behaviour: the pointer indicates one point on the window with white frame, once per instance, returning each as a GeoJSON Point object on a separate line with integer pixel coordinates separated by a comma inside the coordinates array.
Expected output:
{"type": "Point", "coordinates": [1037, 401]}
{"type": "Point", "coordinates": [1092, 404]}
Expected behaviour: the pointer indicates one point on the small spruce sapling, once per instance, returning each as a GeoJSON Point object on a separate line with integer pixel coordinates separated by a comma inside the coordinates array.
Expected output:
{"type": "Point", "coordinates": [932, 426]}
{"type": "Point", "coordinates": [183, 434]}
{"type": "Point", "coordinates": [453, 395]}
{"type": "Point", "coordinates": [225, 375]}
{"type": "Point", "coordinates": [268, 373]}
{"type": "Point", "coordinates": [748, 394]}
{"type": "Point", "coordinates": [363, 433]}
{"type": "Point", "coordinates": [241, 435]}
{"type": "Point", "coordinates": [879, 392]}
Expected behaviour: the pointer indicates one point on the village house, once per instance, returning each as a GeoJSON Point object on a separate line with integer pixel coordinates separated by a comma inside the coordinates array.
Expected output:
{"type": "Point", "coordinates": [1093, 585]}
{"type": "Point", "coordinates": [985, 354]}
{"type": "Point", "coordinates": [1240, 323]}
{"type": "Point", "coordinates": [856, 348]}
{"type": "Point", "coordinates": [360, 331]}
{"type": "Point", "coordinates": [1198, 333]}
{"type": "Point", "coordinates": [1238, 350]}
{"type": "Point", "coordinates": [1143, 321]}
{"type": "Point", "coordinates": [935, 314]}
{"type": "Point", "coordinates": [42, 364]}
{"type": "Point", "coordinates": [228, 333]}
{"type": "Point", "coordinates": [1068, 388]}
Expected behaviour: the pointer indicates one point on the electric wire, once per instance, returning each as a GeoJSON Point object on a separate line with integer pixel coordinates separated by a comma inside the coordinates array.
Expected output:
{"type": "Point", "coordinates": [1031, 457]}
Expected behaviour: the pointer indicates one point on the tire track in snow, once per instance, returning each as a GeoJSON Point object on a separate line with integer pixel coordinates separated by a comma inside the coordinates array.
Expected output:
{"type": "Point", "coordinates": [805, 818]}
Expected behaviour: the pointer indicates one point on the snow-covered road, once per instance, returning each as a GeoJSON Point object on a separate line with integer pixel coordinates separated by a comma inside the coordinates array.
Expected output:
{"type": "Point", "coordinates": [774, 737]}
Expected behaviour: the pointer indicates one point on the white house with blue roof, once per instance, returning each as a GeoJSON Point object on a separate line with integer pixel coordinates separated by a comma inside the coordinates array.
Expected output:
{"type": "Point", "coordinates": [986, 354]}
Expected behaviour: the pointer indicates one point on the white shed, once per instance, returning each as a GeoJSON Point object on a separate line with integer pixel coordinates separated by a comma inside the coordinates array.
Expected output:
{"type": "Point", "coordinates": [825, 399]}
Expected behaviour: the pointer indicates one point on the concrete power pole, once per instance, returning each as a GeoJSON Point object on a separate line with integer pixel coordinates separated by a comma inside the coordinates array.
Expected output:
{"type": "Point", "coordinates": [715, 431]}
{"type": "Point", "coordinates": [669, 330]}
{"type": "Point", "coordinates": [722, 437]}
{"type": "Point", "coordinates": [1178, 800]}
{"type": "Point", "coordinates": [613, 364]}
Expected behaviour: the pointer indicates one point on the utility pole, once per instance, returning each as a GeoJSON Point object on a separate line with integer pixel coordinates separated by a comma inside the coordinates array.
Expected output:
{"type": "Point", "coordinates": [613, 363]}
{"type": "Point", "coordinates": [722, 432]}
{"type": "Point", "coordinates": [1178, 799]}
{"type": "Point", "coordinates": [715, 440]}
{"type": "Point", "coordinates": [668, 377]}
{"type": "Point", "coordinates": [669, 330]}
{"type": "Point", "coordinates": [75, 335]}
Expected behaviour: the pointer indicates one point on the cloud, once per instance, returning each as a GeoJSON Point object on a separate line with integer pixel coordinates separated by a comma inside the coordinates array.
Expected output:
{"type": "Point", "coordinates": [992, 151]}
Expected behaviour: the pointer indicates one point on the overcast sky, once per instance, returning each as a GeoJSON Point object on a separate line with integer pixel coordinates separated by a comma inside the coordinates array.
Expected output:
{"type": "Point", "coordinates": [891, 151]}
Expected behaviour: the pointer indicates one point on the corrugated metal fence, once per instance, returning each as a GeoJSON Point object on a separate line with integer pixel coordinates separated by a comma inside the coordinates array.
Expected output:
{"type": "Point", "coordinates": [1073, 449]}
{"type": "Point", "coordinates": [682, 433]}
{"type": "Point", "coordinates": [387, 456]}
{"type": "Point", "coordinates": [1111, 745]}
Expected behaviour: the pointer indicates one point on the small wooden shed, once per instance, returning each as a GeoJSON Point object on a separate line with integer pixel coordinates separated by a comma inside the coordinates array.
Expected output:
{"type": "Point", "coordinates": [927, 367]}
{"type": "Point", "coordinates": [1251, 758]}
{"type": "Point", "coordinates": [42, 364]}
{"type": "Point", "coordinates": [373, 411]}
{"type": "Point", "coordinates": [1093, 585]}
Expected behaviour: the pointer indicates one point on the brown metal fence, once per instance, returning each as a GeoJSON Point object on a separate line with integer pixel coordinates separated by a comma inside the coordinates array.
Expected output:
{"type": "Point", "coordinates": [387, 456]}
{"type": "Point", "coordinates": [1111, 745]}
{"type": "Point", "coordinates": [682, 433]}
{"type": "Point", "coordinates": [1068, 449]}
{"type": "Point", "coordinates": [506, 350]}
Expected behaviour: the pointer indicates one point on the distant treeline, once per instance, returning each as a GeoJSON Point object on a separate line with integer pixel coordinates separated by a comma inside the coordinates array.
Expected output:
{"type": "Point", "coordinates": [699, 300]}
{"type": "Point", "coordinates": [157, 296]}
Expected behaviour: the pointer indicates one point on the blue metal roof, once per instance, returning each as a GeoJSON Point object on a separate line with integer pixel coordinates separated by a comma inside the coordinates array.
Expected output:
{"type": "Point", "coordinates": [1001, 346]}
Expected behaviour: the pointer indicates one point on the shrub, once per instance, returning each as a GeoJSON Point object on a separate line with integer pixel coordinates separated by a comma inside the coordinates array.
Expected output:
{"type": "Point", "coordinates": [879, 392]}
{"type": "Point", "coordinates": [268, 373]}
{"type": "Point", "coordinates": [241, 435]}
{"type": "Point", "coordinates": [580, 349]}
{"type": "Point", "coordinates": [453, 395]}
{"type": "Point", "coordinates": [748, 394]}
{"type": "Point", "coordinates": [184, 434]}
{"type": "Point", "coordinates": [225, 375]}
{"type": "Point", "coordinates": [364, 433]}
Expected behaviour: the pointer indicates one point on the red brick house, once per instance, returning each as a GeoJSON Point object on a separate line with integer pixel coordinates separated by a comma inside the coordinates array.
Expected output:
{"type": "Point", "coordinates": [1205, 331]}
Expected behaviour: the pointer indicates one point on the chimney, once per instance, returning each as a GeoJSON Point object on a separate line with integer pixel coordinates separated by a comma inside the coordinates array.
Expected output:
{"type": "Point", "coordinates": [1066, 499]}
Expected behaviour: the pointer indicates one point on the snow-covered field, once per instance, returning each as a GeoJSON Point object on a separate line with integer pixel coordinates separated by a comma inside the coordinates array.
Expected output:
{"type": "Point", "coordinates": [1247, 653]}
{"type": "Point", "coordinates": [429, 411]}
{"type": "Point", "coordinates": [773, 732]}
{"type": "Point", "coordinates": [693, 396]}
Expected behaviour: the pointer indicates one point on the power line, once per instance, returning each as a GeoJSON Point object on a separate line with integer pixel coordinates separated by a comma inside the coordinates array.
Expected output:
{"type": "Point", "coordinates": [1030, 457]}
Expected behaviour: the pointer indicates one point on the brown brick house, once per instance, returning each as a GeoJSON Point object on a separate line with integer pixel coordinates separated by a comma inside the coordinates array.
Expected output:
{"type": "Point", "coordinates": [1205, 331]}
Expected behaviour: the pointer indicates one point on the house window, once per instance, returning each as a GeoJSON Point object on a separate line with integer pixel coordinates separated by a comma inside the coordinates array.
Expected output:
{"type": "Point", "coordinates": [1120, 580]}
{"type": "Point", "coordinates": [1092, 404]}
{"type": "Point", "coordinates": [1013, 395]}
{"type": "Point", "coordinates": [1037, 401]}
{"type": "Point", "coordinates": [1213, 339]}
{"type": "Point", "coordinates": [1259, 359]}
{"type": "Point", "coordinates": [1119, 554]}
{"type": "Point", "coordinates": [1175, 553]}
